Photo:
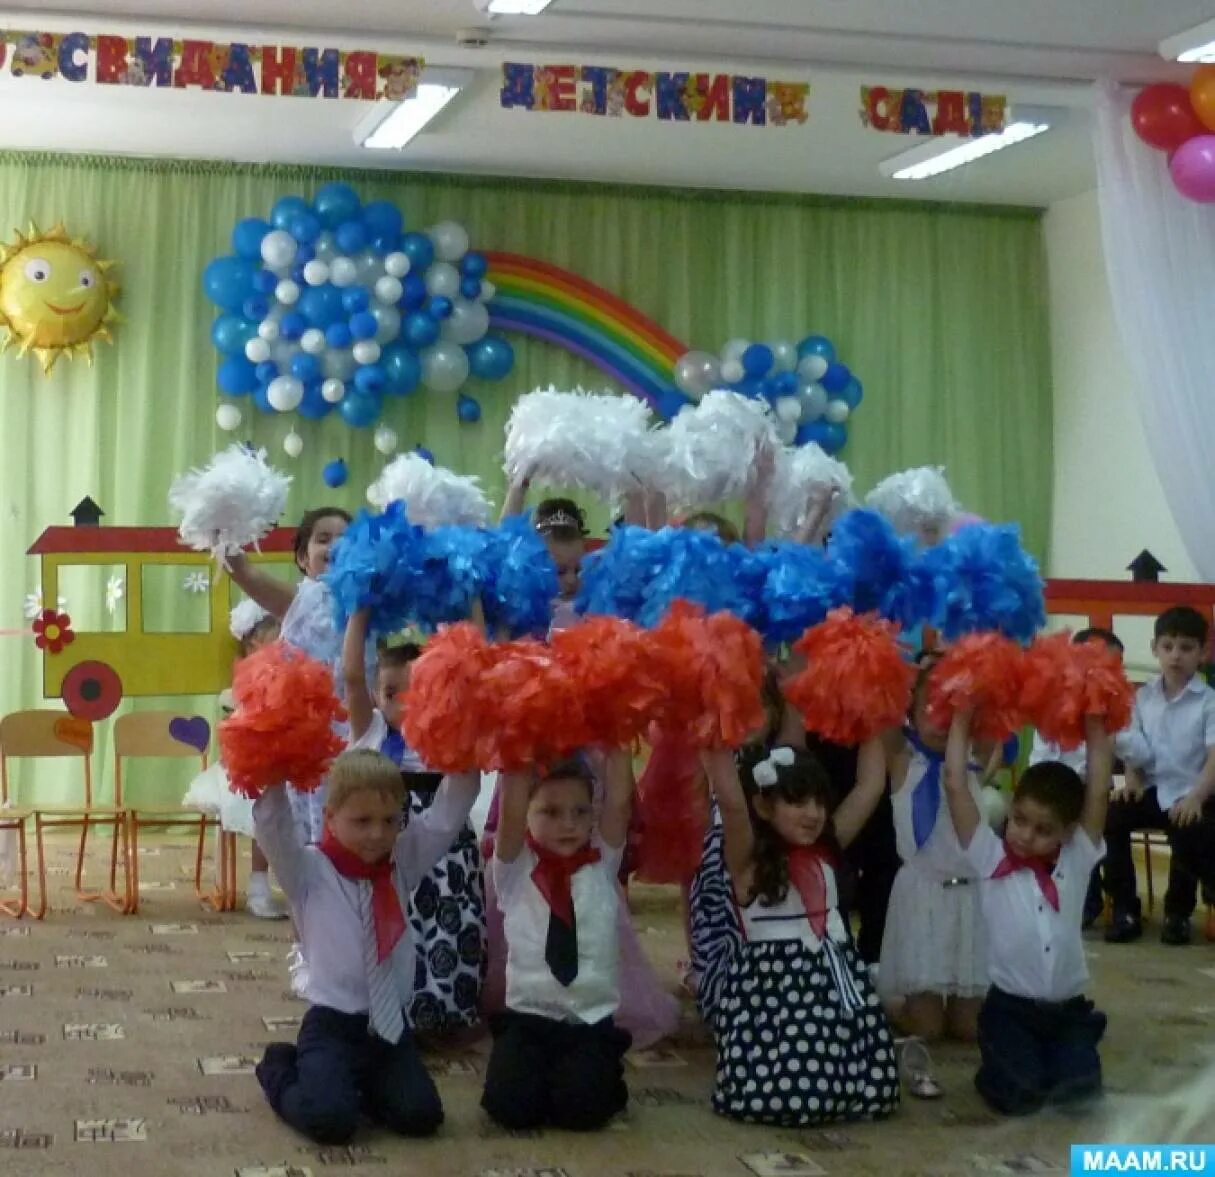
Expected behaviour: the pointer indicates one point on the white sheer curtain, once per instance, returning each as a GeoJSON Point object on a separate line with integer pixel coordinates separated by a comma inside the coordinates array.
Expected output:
{"type": "Point", "coordinates": [1160, 258]}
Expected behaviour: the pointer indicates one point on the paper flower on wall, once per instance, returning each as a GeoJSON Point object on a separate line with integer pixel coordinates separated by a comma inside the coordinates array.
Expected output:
{"type": "Point", "coordinates": [55, 295]}
{"type": "Point", "coordinates": [53, 631]}
{"type": "Point", "coordinates": [33, 604]}
{"type": "Point", "coordinates": [196, 582]}
{"type": "Point", "coordinates": [113, 593]}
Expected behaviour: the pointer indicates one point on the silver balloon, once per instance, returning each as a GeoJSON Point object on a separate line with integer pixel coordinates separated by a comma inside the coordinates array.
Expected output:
{"type": "Point", "coordinates": [338, 363]}
{"type": "Point", "coordinates": [788, 409]}
{"type": "Point", "coordinates": [285, 393]}
{"type": "Point", "coordinates": [278, 249]}
{"type": "Point", "coordinates": [268, 329]}
{"type": "Point", "coordinates": [697, 372]}
{"type": "Point", "coordinates": [283, 351]}
{"type": "Point", "coordinates": [366, 351]}
{"type": "Point", "coordinates": [814, 401]}
{"type": "Point", "coordinates": [333, 390]}
{"type": "Point", "coordinates": [443, 279]}
{"type": "Point", "coordinates": [388, 323]}
{"type": "Point", "coordinates": [787, 431]}
{"type": "Point", "coordinates": [313, 341]}
{"type": "Point", "coordinates": [450, 241]}
{"type": "Point", "coordinates": [316, 272]}
{"type": "Point", "coordinates": [370, 267]}
{"type": "Point", "coordinates": [343, 271]}
{"type": "Point", "coordinates": [733, 349]}
{"type": "Point", "coordinates": [467, 322]}
{"type": "Point", "coordinates": [732, 371]}
{"type": "Point", "coordinates": [444, 367]}
{"type": "Point", "coordinates": [784, 355]}
{"type": "Point", "coordinates": [812, 367]}
{"type": "Point", "coordinates": [388, 290]}
{"type": "Point", "coordinates": [396, 265]}
{"type": "Point", "coordinates": [837, 412]}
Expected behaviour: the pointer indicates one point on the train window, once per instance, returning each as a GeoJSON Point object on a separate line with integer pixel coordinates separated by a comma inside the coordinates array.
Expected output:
{"type": "Point", "coordinates": [95, 596]}
{"type": "Point", "coordinates": [176, 598]}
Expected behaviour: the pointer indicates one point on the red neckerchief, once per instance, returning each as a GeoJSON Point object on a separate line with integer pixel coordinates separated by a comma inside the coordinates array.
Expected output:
{"type": "Point", "coordinates": [807, 875]}
{"type": "Point", "coordinates": [386, 910]}
{"type": "Point", "coordinates": [553, 872]}
{"type": "Point", "coordinates": [1041, 867]}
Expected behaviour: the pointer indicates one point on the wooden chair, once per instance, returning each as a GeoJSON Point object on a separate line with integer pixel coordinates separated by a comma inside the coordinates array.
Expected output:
{"type": "Point", "coordinates": [1158, 840]}
{"type": "Point", "coordinates": [150, 734]}
{"type": "Point", "coordinates": [14, 821]}
{"type": "Point", "coordinates": [44, 733]}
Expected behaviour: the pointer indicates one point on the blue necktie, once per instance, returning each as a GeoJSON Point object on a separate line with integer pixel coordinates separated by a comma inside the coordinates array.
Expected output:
{"type": "Point", "coordinates": [394, 747]}
{"type": "Point", "coordinates": [926, 797]}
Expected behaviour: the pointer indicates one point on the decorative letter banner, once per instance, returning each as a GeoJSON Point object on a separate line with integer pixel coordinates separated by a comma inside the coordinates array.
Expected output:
{"type": "Point", "coordinates": [958, 112]}
{"type": "Point", "coordinates": [211, 65]}
{"type": "Point", "coordinates": [667, 95]}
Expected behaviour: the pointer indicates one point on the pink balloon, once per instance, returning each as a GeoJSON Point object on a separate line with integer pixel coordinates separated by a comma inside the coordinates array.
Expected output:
{"type": "Point", "coordinates": [1192, 167]}
{"type": "Point", "coordinates": [965, 519]}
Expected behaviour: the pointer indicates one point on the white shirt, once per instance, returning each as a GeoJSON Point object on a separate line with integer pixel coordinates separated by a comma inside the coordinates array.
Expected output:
{"type": "Point", "coordinates": [1170, 738]}
{"type": "Point", "coordinates": [942, 855]}
{"type": "Point", "coordinates": [787, 920]}
{"type": "Point", "coordinates": [1032, 949]}
{"type": "Point", "coordinates": [325, 905]}
{"type": "Point", "coordinates": [531, 987]}
{"type": "Point", "coordinates": [377, 733]}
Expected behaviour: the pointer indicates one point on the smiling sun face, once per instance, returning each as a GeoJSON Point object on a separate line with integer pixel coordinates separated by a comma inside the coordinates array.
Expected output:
{"type": "Point", "coordinates": [55, 296]}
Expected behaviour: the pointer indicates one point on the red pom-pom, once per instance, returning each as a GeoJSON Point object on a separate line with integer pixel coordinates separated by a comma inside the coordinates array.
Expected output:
{"type": "Point", "coordinates": [982, 671]}
{"type": "Point", "coordinates": [713, 668]}
{"type": "Point", "coordinates": [443, 718]}
{"type": "Point", "coordinates": [282, 728]}
{"type": "Point", "coordinates": [856, 683]}
{"type": "Point", "coordinates": [1065, 682]}
{"type": "Point", "coordinates": [618, 681]}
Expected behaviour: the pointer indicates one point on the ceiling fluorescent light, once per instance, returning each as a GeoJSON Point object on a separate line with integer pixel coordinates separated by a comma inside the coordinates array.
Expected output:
{"type": "Point", "coordinates": [944, 154]}
{"type": "Point", "coordinates": [513, 7]}
{"type": "Point", "coordinates": [389, 126]}
{"type": "Point", "coordinates": [1196, 44]}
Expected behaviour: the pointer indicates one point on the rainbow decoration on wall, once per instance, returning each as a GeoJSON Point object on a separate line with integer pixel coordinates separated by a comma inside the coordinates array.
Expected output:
{"type": "Point", "coordinates": [549, 303]}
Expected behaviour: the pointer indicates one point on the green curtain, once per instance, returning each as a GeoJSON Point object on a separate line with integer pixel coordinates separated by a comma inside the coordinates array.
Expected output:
{"type": "Point", "coordinates": [940, 309]}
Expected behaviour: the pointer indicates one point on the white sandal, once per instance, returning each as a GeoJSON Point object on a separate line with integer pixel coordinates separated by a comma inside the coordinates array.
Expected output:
{"type": "Point", "coordinates": [915, 1064]}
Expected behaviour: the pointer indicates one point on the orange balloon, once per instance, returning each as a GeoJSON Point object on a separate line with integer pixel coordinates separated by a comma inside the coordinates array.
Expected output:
{"type": "Point", "coordinates": [1202, 95]}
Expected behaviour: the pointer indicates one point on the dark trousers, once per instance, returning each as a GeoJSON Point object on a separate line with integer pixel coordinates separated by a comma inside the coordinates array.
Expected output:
{"type": "Point", "coordinates": [336, 1070]}
{"type": "Point", "coordinates": [1037, 1052]}
{"type": "Point", "coordinates": [567, 1074]}
{"type": "Point", "coordinates": [1193, 854]}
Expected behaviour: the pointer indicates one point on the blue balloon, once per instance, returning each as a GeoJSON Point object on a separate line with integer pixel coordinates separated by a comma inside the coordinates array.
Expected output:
{"type": "Point", "coordinates": [425, 454]}
{"type": "Point", "coordinates": [286, 210]}
{"type": "Point", "coordinates": [419, 249]}
{"type": "Point", "coordinates": [490, 358]}
{"type": "Point", "coordinates": [468, 409]}
{"type": "Point", "coordinates": [264, 282]}
{"type": "Point", "coordinates": [383, 217]}
{"type": "Point", "coordinates": [305, 228]}
{"type": "Point", "coordinates": [247, 238]}
{"type": "Point", "coordinates": [321, 305]}
{"type": "Point", "coordinates": [852, 393]}
{"type": "Point", "coordinates": [259, 399]}
{"type": "Point", "coordinates": [363, 325]}
{"type": "Point", "coordinates": [785, 383]}
{"type": "Point", "coordinates": [474, 265]}
{"type": "Point", "coordinates": [471, 287]}
{"type": "Point", "coordinates": [297, 274]}
{"type": "Point", "coordinates": [836, 377]}
{"type": "Point", "coordinates": [385, 243]}
{"type": "Point", "coordinates": [266, 371]}
{"type": "Point", "coordinates": [255, 307]}
{"type": "Point", "coordinates": [750, 386]}
{"type": "Point", "coordinates": [440, 307]}
{"type": "Point", "coordinates": [825, 434]}
{"type": "Point", "coordinates": [420, 329]}
{"type": "Point", "coordinates": [334, 473]}
{"type": "Point", "coordinates": [338, 335]}
{"type": "Point", "coordinates": [350, 236]}
{"type": "Point", "coordinates": [305, 367]}
{"type": "Point", "coordinates": [304, 253]}
{"type": "Point", "coordinates": [236, 376]}
{"type": "Point", "coordinates": [230, 333]}
{"type": "Point", "coordinates": [228, 281]}
{"type": "Point", "coordinates": [292, 325]}
{"type": "Point", "coordinates": [413, 292]}
{"type": "Point", "coordinates": [314, 406]}
{"type": "Point", "coordinates": [816, 345]}
{"type": "Point", "coordinates": [359, 409]}
{"type": "Point", "coordinates": [355, 299]}
{"type": "Point", "coordinates": [370, 379]}
{"type": "Point", "coordinates": [757, 359]}
{"type": "Point", "coordinates": [336, 203]}
{"type": "Point", "coordinates": [670, 403]}
{"type": "Point", "coordinates": [402, 370]}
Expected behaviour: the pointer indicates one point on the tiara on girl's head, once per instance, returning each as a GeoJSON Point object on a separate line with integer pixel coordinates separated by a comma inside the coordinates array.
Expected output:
{"type": "Point", "coordinates": [764, 774]}
{"type": "Point", "coordinates": [560, 520]}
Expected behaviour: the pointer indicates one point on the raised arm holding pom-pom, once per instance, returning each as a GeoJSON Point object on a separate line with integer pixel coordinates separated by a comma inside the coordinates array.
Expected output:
{"type": "Point", "coordinates": [359, 704]}
{"type": "Point", "coordinates": [962, 807]}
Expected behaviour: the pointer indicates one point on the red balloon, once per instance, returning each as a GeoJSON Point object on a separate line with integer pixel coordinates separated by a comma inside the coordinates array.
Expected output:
{"type": "Point", "coordinates": [1163, 116]}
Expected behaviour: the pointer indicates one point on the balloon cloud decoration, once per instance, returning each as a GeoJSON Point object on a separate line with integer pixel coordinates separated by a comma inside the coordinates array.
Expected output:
{"type": "Point", "coordinates": [1181, 122]}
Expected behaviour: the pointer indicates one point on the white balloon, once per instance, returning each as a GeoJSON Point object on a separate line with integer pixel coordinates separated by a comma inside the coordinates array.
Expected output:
{"type": "Point", "coordinates": [837, 412]}
{"type": "Point", "coordinates": [313, 341]}
{"type": "Point", "coordinates": [316, 272]}
{"type": "Point", "coordinates": [332, 390]}
{"type": "Point", "coordinates": [488, 290]}
{"type": "Point", "coordinates": [444, 367]}
{"type": "Point", "coordinates": [784, 355]}
{"type": "Point", "coordinates": [396, 265]}
{"type": "Point", "coordinates": [787, 431]}
{"type": "Point", "coordinates": [385, 439]}
{"type": "Point", "coordinates": [370, 266]}
{"type": "Point", "coordinates": [285, 393]}
{"type": "Point", "coordinates": [293, 444]}
{"type": "Point", "coordinates": [257, 351]}
{"type": "Point", "coordinates": [338, 363]}
{"type": "Point", "coordinates": [814, 401]}
{"type": "Point", "coordinates": [733, 349]}
{"type": "Point", "coordinates": [731, 371]}
{"type": "Point", "coordinates": [388, 289]}
{"type": "Point", "coordinates": [366, 351]}
{"type": "Point", "coordinates": [443, 279]}
{"type": "Point", "coordinates": [343, 271]}
{"type": "Point", "coordinates": [268, 330]}
{"type": "Point", "coordinates": [326, 248]}
{"type": "Point", "coordinates": [467, 322]}
{"type": "Point", "coordinates": [388, 323]}
{"type": "Point", "coordinates": [812, 367]}
{"type": "Point", "coordinates": [788, 409]}
{"type": "Point", "coordinates": [228, 417]}
{"type": "Point", "coordinates": [278, 249]}
{"type": "Point", "coordinates": [287, 292]}
{"type": "Point", "coordinates": [450, 241]}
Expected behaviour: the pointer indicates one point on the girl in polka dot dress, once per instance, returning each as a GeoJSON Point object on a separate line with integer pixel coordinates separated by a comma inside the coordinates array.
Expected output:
{"type": "Point", "coordinates": [801, 1036]}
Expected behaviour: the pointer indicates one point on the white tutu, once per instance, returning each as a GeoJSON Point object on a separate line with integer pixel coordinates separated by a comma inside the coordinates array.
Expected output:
{"type": "Point", "coordinates": [935, 940]}
{"type": "Point", "coordinates": [209, 793]}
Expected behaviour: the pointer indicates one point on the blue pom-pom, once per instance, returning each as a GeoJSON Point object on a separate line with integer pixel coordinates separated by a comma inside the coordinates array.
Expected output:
{"type": "Point", "coordinates": [802, 586]}
{"type": "Point", "coordinates": [453, 574]}
{"type": "Point", "coordinates": [613, 579]}
{"type": "Point", "coordinates": [522, 580]}
{"type": "Point", "coordinates": [867, 544]}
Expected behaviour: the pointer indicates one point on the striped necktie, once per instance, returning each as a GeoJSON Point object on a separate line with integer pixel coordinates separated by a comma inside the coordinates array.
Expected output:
{"type": "Point", "coordinates": [384, 1017]}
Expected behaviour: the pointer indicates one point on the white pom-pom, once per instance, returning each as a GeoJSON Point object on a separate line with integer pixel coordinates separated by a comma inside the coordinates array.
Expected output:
{"type": "Point", "coordinates": [576, 439]}
{"type": "Point", "coordinates": [993, 803]}
{"type": "Point", "coordinates": [713, 448]}
{"type": "Point", "coordinates": [245, 616]}
{"type": "Point", "coordinates": [432, 496]}
{"type": "Point", "coordinates": [232, 503]}
{"type": "Point", "coordinates": [802, 474]}
{"type": "Point", "coordinates": [917, 502]}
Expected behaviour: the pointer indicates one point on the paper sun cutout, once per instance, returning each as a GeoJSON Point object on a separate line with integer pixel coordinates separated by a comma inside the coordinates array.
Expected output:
{"type": "Point", "coordinates": [55, 296]}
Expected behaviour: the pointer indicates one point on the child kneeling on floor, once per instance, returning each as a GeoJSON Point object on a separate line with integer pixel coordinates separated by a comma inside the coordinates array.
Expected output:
{"type": "Point", "coordinates": [1038, 1033]}
{"type": "Point", "coordinates": [355, 1053]}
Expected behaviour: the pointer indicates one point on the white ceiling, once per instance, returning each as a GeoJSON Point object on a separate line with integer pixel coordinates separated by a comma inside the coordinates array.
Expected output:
{"type": "Point", "coordinates": [1041, 52]}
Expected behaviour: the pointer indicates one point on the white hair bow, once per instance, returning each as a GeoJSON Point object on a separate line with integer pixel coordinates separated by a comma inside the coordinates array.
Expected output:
{"type": "Point", "coordinates": [764, 773]}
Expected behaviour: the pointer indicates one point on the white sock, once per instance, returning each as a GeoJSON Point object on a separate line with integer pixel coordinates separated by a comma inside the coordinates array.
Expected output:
{"type": "Point", "coordinates": [259, 883]}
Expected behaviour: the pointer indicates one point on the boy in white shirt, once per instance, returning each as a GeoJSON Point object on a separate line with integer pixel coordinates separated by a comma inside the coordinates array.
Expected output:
{"type": "Point", "coordinates": [1038, 1033]}
{"type": "Point", "coordinates": [349, 895]}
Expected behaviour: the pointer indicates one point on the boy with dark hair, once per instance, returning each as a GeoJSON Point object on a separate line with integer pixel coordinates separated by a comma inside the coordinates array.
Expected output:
{"type": "Point", "coordinates": [1169, 750]}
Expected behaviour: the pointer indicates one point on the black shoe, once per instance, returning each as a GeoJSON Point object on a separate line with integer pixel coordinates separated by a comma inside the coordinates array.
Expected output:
{"type": "Point", "coordinates": [1124, 927]}
{"type": "Point", "coordinates": [1176, 930]}
{"type": "Point", "coordinates": [1092, 913]}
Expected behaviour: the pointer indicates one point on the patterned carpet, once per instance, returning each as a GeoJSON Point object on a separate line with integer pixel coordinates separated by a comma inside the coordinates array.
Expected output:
{"type": "Point", "coordinates": [127, 1046]}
